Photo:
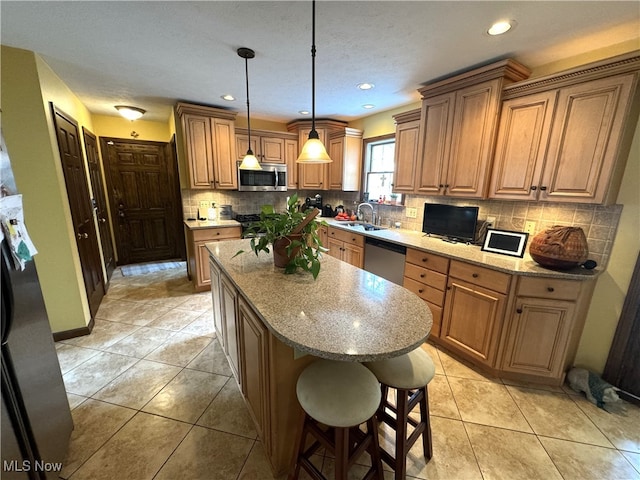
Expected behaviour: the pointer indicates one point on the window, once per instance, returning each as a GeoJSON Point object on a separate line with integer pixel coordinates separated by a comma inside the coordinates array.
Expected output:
{"type": "Point", "coordinates": [379, 160]}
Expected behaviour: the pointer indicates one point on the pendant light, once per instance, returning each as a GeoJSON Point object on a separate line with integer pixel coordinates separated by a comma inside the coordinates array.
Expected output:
{"type": "Point", "coordinates": [249, 162]}
{"type": "Point", "coordinates": [313, 150]}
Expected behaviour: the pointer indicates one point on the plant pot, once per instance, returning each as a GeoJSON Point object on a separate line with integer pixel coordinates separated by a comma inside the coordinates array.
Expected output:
{"type": "Point", "coordinates": [280, 256]}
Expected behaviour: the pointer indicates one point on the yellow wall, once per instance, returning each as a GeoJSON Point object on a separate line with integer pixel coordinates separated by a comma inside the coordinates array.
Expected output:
{"type": "Point", "coordinates": [381, 123]}
{"type": "Point", "coordinates": [27, 87]}
{"type": "Point", "coordinates": [118, 127]}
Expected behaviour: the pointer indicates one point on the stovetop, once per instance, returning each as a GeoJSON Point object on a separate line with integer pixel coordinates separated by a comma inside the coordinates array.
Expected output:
{"type": "Point", "coordinates": [247, 217]}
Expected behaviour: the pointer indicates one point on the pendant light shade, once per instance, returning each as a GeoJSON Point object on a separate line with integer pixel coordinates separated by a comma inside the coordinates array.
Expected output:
{"type": "Point", "coordinates": [313, 151]}
{"type": "Point", "coordinates": [249, 162]}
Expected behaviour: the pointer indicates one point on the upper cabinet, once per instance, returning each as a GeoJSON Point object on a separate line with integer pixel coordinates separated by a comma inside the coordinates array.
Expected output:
{"type": "Point", "coordinates": [210, 146]}
{"type": "Point", "coordinates": [406, 153]}
{"type": "Point", "coordinates": [566, 137]}
{"type": "Point", "coordinates": [267, 146]}
{"type": "Point", "coordinates": [347, 148]}
{"type": "Point", "coordinates": [458, 125]}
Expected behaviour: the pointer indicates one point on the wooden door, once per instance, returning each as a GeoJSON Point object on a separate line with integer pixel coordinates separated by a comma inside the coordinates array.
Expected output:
{"type": "Point", "coordinates": [291, 155]}
{"type": "Point", "coordinates": [272, 150]}
{"type": "Point", "coordinates": [353, 255]}
{"type": "Point", "coordinates": [145, 200]}
{"type": "Point", "coordinates": [99, 200]}
{"type": "Point", "coordinates": [584, 140]}
{"type": "Point", "coordinates": [521, 147]}
{"type": "Point", "coordinates": [335, 248]}
{"type": "Point", "coordinates": [75, 179]}
{"type": "Point", "coordinates": [224, 154]}
{"type": "Point", "coordinates": [199, 146]}
{"type": "Point", "coordinates": [406, 156]}
{"type": "Point", "coordinates": [229, 303]}
{"type": "Point", "coordinates": [473, 134]}
{"type": "Point", "coordinates": [435, 143]}
{"type": "Point", "coordinates": [242, 145]}
{"type": "Point", "coordinates": [336, 153]}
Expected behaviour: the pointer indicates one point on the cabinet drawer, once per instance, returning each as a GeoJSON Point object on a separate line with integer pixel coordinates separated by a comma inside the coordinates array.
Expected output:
{"type": "Point", "coordinates": [481, 276]}
{"type": "Point", "coordinates": [432, 295]}
{"type": "Point", "coordinates": [210, 234]}
{"type": "Point", "coordinates": [347, 237]}
{"type": "Point", "coordinates": [428, 260]}
{"type": "Point", "coordinates": [426, 276]}
{"type": "Point", "coordinates": [549, 288]}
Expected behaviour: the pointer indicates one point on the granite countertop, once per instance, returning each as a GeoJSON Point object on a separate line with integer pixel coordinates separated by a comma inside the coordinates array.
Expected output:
{"type": "Point", "coordinates": [198, 224]}
{"type": "Point", "coordinates": [525, 266]}
{"type": "Point", "coordinates": [345, 314]}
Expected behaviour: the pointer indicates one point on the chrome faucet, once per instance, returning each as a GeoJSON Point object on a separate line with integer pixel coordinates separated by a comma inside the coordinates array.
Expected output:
{"type": "Point", "coordinates": [358, 212]}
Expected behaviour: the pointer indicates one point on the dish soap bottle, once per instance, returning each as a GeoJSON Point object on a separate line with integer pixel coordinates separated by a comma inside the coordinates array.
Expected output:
{"type": "Point", "coordinates": [211, 212]}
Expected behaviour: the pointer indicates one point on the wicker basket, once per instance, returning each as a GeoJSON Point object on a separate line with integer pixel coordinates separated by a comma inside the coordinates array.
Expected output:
{"type": "Point", "coordinates": [560, 247]}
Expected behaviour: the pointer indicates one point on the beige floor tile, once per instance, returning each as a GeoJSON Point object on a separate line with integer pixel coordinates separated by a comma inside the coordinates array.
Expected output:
{"type": "Point", "coordinates": [104, 334]}
{"type": "Point", "coordinates": [441, 401]}
{"type": "Point", "coordinates": [141, 342]}
{"type": "Point", "coordinates": [556, 415]}
{"type": "Point", "coordinates": [356, 472]}
{"type": "Point", "coordinates": [317, 461]}
{"type": "Point", "coordinates": [257, 465]}
{"type": "Point", "coordinates": [633, 458]}
{"type": "Point", "coordinates": [229, 413]}
{"type": "Point", "coordinates": [202, 326]}
{"type": "Point", "coordinates": [488, 404]}
{"type": "Point", "coordinates": [175, 319]}
{"type": "Point", "coordinates": [534, 386]}
{"type": "Point", "coordinates": [74, 400]}
{"type": "Point", "coordinates": [135, 387]}
{"type": "Point", "coordinates": [143, 313]}
{"type": "Point", "coordinates": [95, 373]}
{"type": "Point", "coordinates": [454, 367]}
{"type": "Point", "coordinates": [433, 353]}
{"type": "Point", "coordinates": [577, 461]}
{"type": "Point", "coordinates": [171, 299]}
{"type": "Point", "coordinates": [187, 396]}
{"type": "Point", "coordinates": [180, 349]}
{"type": "Point", "coordinates": [144, 294]}
{"type": "Point", "coordinates": [201, 302]}
{"type": "Point", "coordinates": [207, 454]}
{"type": "Point", "coordinates": [70, 356]}
{"type": "Point", "coordinates": [212, 360]}
{"type": "Point", "coordinates": [137, 451]}
{"type": "Point", "coordinates": [116, 310]}
{"type": "Point", "coordinates": [94, 423]}
{"type": "Point", "coordinates": [505, 454]}
{"type": "Point", "coordinates": [621, 424]}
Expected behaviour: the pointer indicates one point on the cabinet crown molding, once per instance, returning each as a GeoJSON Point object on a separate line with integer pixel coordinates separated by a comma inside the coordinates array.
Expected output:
{"type": "Point", "coordinates": [409, 116]}
{"type": "Point", "coordinates": [320, 123]}
{"type": "Point", "coordinates": [182, 108]}
{"type": "Point", "coordinates": [508, 69]}
{"type": "Point", "coordinates": [267, 133]}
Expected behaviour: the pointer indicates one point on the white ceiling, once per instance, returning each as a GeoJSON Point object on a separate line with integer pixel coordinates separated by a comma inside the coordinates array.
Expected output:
{"type": "Point", "coordinates": [150, 54]}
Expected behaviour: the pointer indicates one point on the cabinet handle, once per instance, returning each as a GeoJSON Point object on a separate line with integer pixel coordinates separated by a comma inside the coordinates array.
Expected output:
{"type": "Point", "coordinates": [533, 187]}
{"type": "Point", "coordinates": [420, 290]}
{"type": "Point", "coordinates": [448, 287]}
{"type": "Point", "coordinates": [550, 289]}
{"type": "Point", "coordinates": [475, 275]}
{"type": "Point", "coordinates": [446, 185]}
{"type": "Point", "coordinates": [217, 233]}
{"type": "Point", "coordinates": [353, 239]}
{"type": "Point", "coordinates": [424, 259]}
{"type": "Point", "coordinates": [441, 186]}
{"type": "Point", "coordinates": [422, 275]}
{"type": "Point", "coordinates": [543, 188]}
{"type": "Point", "coordinates": [518, 310]}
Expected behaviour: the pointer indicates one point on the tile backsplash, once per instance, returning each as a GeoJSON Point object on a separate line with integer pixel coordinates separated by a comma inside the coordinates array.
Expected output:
{"type": "Point", "coordinates": [598, 222]}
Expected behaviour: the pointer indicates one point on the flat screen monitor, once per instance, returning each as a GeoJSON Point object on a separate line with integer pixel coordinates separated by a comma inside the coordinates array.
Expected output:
{"type": "Point", "coordinates": [449, 221]}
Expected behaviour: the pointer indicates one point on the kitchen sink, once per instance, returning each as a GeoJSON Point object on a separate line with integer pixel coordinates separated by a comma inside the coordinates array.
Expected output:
{"type": "Point", "coordinates": [365, 226]}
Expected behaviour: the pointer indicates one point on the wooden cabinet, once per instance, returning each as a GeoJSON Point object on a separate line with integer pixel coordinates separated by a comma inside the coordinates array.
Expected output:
{"type": "Point", "coordinates": [197, 255]}
{"type": "Point", "coordinates": [425, 274]}
{"type": "Point", "coordinates": [323, 233]}
{"type": "Point", "coordinates": [406, 151]}
{"type": "Point", "coordinates": [345, 149]}
{"type": "Point", "coordinates": [474, 311]}
{"type": "Point", "coordinates": [291, 155]}
{"type": "Point", "coordinates": [458, 125]}
{"type": "Point", "coordinates": [267, 146]}
{"type": "Point", "coordinates": [346, 246]}
{"type": "Point", "coordinates": [542, 329]}
{"type": "Point", "coordinates": [209, 146]}
{"type": "Point", "coordinates": [230, 341]}
{"type": "Point", "coordinates": [216, 295]}
{"type": "Point", "coordinates": [566, 137]}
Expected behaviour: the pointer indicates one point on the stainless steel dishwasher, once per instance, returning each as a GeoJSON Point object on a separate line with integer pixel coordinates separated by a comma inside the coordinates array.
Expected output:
{"type": "Point", "coordinates": [385, 259]}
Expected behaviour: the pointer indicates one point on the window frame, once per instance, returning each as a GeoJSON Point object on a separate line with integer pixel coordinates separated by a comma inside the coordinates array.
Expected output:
{"type": "Point", "coordinates": [367, 143]}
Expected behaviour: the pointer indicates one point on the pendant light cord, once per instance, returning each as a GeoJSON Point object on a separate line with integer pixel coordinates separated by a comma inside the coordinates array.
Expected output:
{"type": "Point", "coordinates": [246, 76]}
{"type": "Point", "coordinates": [313, 66]}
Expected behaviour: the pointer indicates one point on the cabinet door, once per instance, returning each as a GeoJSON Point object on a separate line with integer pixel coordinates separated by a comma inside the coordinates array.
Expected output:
{"type": "Point", "coordinates": [229, 308]}
{"type": "Point", "coordinates": [336, 152]}
{"type": "Point", "coordinates": [521, 146]}
{"type": "Point", "coordinates": [216, 296]}
{"type": "Point", "coordinates": [472, 320]}
{"type": "Point", "coordinates": [353, 255]}
{"type": "Point", "coordinates": [335, 248]}
{"type": "Point", "coordinates": [224, 144]}
{"type": "Point", "coordinates": [323, 233]}
{"type": "Point", "coordinates": [203, 271]}
{"type": "Point", "coordinates": [538, 337]}
{"type": "Point", "coordinates": [474, 128]}
{"type": "Point", "coordinates": [406, 156]}
{"type": "Point", "coordinates": [198, 138]}
{"type": "Point", "coordinates": [584, 140]}
{"type": "Point", "coordinates": [313, 177]}
{"type": "Point", "coordinates": [291, 155]}
{"type": "Point", "coordinates": [435, 143]}
{"type": "Point", "coordinates": [255, 366]}
{"type": "Point", "coordinates": [242, 145]}
{"type": "Point", "coordinates": [272, 150]}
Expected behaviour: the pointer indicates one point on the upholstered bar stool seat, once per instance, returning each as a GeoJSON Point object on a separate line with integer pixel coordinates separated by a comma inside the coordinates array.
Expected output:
{"type": "Point", "coordinates": [337, 397]}
{"type": "Point", "coordinates": [409, 374]}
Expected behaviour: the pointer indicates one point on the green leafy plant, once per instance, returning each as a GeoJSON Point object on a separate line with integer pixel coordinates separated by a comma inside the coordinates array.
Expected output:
{"type": "Point", "coordinates": [304, 247]}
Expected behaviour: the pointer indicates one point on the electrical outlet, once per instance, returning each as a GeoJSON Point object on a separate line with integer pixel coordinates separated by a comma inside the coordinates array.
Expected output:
{"type": "Point", "coordinates": [412, 212]}
{"type": "Point", "coordinates": [530, 227]}
{"type": "Point", "coordinates": [203, 205]}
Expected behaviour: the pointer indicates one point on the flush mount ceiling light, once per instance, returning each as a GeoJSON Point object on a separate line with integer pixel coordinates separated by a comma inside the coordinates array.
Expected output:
{"type": "Point", "coordinates": [313, 150]}
{"type": "Point", "coordinates": [249, 162]}
{"type": "Point", "coordinates": [228, 97]}
{"type": "Point", "coordinates": [130, 113]}
{"type": "Point", "coordinates": [500, 27]}
{"type": "Point", "coordinates": [365, 86]}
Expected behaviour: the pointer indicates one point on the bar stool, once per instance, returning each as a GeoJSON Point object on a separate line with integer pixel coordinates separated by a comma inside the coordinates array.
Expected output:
{"type": "Point", "coordinates": [409, 374]}
{"type": "Point", "coordinates": [340, 396]}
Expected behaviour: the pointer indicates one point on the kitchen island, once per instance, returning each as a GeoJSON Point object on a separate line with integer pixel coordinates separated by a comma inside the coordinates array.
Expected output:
{"type": "Point", "coordinates": [272, 325]}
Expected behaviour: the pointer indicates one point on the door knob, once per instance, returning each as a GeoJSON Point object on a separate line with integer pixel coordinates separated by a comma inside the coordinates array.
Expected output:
{"type": "Point", "coordinates": [103, 220]}
{"type": "Point", "coordinates": [82, 236]}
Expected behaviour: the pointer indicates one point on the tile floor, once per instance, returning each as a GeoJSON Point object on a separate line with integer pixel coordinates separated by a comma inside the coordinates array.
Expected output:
{"type": "Point", "coordinates": [152, 397]}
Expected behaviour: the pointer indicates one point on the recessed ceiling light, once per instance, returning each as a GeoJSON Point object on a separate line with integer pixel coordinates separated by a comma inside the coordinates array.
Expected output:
{"type": "Point", "coordinates": [228, 97]}
{"type": "Point", "coordinates": [303, 112]}
{"type": "Point", "coordinates": [499, 28]}
{"type": "Point", "coordinates": [368, 106]}
{"type": "Point", "coordinates": [365, 86]}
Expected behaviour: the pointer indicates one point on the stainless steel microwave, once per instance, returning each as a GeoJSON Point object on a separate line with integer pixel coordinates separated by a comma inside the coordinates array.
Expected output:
{"type": "Point", "coordinates": [272, 178]}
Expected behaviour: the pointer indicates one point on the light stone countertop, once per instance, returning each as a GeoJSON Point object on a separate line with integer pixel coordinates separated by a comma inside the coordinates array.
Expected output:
{"type": "Point", "coordinates": [199, 224]}
{"type": "Point", "coordinates": [345, 314]}
{"type": "Point", "coordinates": [469, 253]}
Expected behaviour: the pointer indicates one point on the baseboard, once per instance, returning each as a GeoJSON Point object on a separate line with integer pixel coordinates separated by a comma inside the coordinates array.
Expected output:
{"type": "Point", "coordinates": [76, 332]}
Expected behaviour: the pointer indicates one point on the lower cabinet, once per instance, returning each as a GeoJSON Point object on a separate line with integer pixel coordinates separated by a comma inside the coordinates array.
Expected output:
{"type": "Point", "coordinates": [230, 338]}
{"type": "Point", "coordinates": [346, 246]}
{"type": "Point", "coordinates": [216, 298]}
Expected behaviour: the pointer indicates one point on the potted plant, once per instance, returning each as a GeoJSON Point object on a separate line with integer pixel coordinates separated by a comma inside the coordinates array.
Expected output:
{"type": "Point", "coordinates": [393, 198]}
{"type": "Point", "coordinates": [293, 236]}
